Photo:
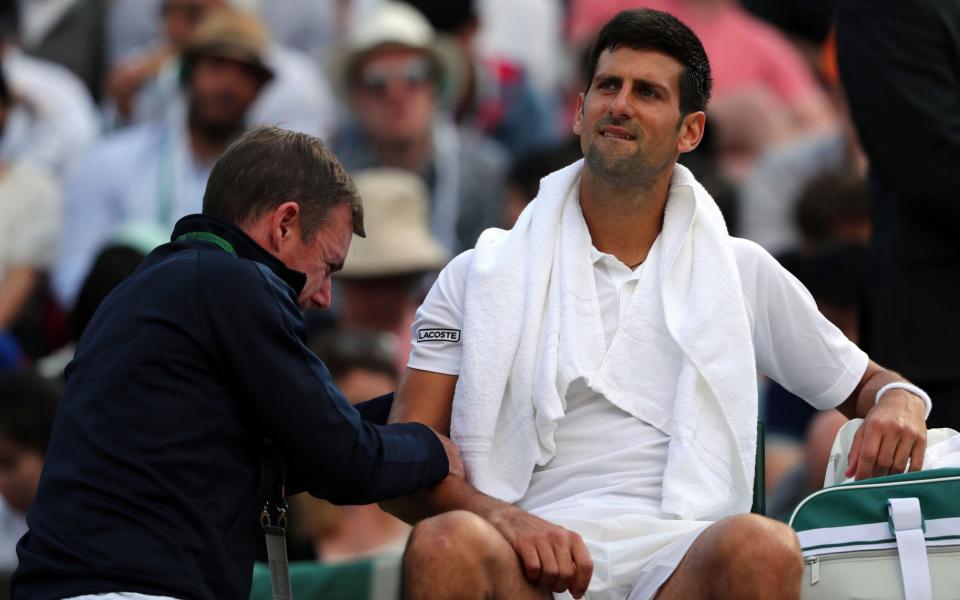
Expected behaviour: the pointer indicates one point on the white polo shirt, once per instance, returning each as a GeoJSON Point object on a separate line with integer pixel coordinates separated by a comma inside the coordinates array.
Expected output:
{"type": "Point", "coordinates": [795, 345]}
{"type": "Point", "coordinates": [605, 480]}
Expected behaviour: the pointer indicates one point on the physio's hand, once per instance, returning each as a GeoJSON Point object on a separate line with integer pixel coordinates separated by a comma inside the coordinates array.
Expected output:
{"type": "Point", "coordinates": [553, 557]}
{"type": "Point", "coordinates": [893, 431]}
{"type": "Point", "coordinates": [456, 468]}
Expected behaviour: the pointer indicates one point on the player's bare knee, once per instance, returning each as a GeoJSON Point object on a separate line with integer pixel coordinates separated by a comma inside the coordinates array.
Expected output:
{"type": "Point", "coordinates": [754, 544]}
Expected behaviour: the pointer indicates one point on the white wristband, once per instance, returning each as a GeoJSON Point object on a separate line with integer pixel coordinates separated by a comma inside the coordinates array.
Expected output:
{"type": "Point", "coordinates": [903, 385]}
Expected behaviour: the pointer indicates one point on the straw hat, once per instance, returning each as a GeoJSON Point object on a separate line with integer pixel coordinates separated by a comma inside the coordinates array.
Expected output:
{"type": "Point", "coordinates": [395, 216]}
{"type": "Point", "coordinates": [398, 25]}
{"type": "Point", "coordinates": [230, 34]}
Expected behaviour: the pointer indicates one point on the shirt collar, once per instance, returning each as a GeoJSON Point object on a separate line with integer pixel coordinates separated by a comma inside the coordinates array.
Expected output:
{"type": "Point", "coordinates": [610, 262]}
{"type": "Point", "coordinates": [241, 244]}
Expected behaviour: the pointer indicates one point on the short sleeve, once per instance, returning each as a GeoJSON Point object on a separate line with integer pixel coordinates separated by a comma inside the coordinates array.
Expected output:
{"type": "Point", "coordinates": [795, 344]}
{"type": "Point", "coordinates": [437, 330]}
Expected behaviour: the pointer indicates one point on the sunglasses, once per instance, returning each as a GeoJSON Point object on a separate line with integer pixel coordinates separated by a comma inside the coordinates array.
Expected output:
{"type": "Point", "coordinates": [413, 73]}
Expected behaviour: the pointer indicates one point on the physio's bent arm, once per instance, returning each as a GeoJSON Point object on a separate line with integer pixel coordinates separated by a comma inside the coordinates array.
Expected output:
{"type": "Point", "coordinates": [286, 391]}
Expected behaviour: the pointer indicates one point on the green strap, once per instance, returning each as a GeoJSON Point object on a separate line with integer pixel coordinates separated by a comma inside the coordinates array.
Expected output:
{"type": "Point", "coordinates": [206, 236]}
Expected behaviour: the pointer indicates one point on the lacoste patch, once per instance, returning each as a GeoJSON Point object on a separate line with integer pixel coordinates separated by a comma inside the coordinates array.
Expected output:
{"type": "Point", "coordinates": [438, 335]}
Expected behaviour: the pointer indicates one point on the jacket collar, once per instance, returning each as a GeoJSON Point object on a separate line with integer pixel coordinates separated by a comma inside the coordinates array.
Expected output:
{"type": "Point", "coordinates": [234, 240]}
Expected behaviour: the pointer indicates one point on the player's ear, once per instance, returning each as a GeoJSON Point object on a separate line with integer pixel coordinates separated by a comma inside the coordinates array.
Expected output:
{"type": "Point", "coordinates": [691, 131]}
{"type": "Point", "coordinates": [578, 116]}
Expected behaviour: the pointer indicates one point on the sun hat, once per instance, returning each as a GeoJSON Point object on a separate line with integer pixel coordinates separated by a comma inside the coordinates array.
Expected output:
{"type": "Point", "coordinates": [397, 222]}
{"type": "Point", "coordinates": [398, 25]}
{"type": "Point", "coordinates": [231, 34]}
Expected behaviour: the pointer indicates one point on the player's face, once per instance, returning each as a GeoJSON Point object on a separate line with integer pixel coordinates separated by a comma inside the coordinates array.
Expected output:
{"type": "Point", "coordinates": [629, 120]}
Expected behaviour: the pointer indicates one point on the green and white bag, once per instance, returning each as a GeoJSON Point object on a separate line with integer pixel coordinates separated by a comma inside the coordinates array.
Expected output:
{"type": "Point", "coordinates": [882, 538]}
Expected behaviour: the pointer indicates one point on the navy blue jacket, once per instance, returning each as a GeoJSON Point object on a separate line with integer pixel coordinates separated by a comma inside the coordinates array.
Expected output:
{"type": "Point", "coordinates": [191, 378]}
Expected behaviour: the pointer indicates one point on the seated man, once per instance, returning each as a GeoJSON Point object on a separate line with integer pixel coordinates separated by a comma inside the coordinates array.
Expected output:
{"type": "Point", "coordinates": [597, 366]}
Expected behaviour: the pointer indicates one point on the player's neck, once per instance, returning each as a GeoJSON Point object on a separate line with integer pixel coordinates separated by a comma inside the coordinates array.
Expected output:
{"type": "Point", "coordinates": [623, 222]}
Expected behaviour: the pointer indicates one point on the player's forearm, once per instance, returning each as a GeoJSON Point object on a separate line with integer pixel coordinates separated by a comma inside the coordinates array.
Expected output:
{"type": "Point", "coordinates": [453, 493]}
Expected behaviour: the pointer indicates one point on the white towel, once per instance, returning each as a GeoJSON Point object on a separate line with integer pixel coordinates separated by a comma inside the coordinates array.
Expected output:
{"type": "Point", "coordinates": [944, 454]}
{"type": "Point", "coordinates": [532, 325]}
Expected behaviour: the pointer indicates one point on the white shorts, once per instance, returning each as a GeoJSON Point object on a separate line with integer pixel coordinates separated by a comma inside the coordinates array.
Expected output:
{"type": "Point", "coordinates": [633, 555]}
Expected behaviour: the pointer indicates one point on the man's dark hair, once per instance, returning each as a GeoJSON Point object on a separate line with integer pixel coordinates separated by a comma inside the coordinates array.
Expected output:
{"type": "Point", "coordinates": [28, 403]}
{"type": "Point", "coordinates": [268, 166]}
{"type": "Point", "coordinates": [648, 29]}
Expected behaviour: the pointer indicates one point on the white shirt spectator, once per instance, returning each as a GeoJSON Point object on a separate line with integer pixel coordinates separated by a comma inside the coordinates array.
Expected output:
{"type": "Point", "coordinates": [55, 118]}
{"type": "Point", "coordinates": [142, 174]}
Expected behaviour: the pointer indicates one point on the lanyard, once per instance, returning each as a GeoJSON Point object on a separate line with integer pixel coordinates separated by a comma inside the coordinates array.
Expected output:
{"type": "Point", "coordinates": [273, 521]}
{"type": "Point", "coordinates": [206, 236]}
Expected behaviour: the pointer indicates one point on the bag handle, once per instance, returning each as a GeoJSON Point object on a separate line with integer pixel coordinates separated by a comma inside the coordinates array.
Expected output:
{"type": "Point", "coordinates": [906, 523]}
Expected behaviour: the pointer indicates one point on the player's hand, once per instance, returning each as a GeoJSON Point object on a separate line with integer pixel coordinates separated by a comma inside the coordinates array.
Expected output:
{"type": "Point", "coordinates": [893, 431]}
{"type": "Point", "coordinates": [552, 557]}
